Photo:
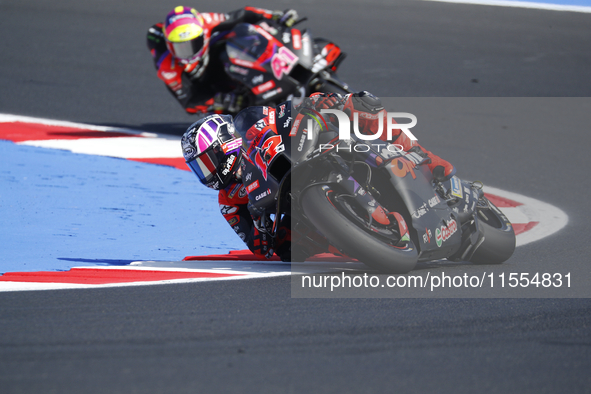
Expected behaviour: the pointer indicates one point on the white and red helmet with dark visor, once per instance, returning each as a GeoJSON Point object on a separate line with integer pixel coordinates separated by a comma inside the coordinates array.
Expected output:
{"type": "Point", "coordinates": [184, 33]}
{"type": "Point", "coordinates": [212, 151]}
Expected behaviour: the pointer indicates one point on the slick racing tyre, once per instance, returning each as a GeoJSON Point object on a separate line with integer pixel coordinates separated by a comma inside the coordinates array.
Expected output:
{"type": "Point", "coordinates": [499, 237]}
{"type": "Point", "coordinates": [345, 233]}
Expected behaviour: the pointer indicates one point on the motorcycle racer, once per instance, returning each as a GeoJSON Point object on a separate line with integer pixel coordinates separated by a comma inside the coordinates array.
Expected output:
{"type": "Point", "coordinates": [368, 109]}
{"type": "Point", "coordinates": [212, 149]}
{"type": "Point", "coordinates": [185, 49]}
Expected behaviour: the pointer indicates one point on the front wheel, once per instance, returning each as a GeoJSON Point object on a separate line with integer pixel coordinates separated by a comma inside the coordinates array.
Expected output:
{"type": "Point", "coordinates": [499, 237]}
{"type": "Point", "coordinates": [353, 240]}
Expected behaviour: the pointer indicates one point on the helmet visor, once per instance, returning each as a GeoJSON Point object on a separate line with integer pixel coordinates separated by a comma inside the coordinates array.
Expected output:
{"type": "Point", "coordinates": [186, 49]}
{"type": "Point", "coordinates": [204, 166]}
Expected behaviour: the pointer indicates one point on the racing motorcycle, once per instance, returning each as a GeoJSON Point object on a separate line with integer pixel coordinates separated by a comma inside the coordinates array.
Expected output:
{"type": "Point", "coordinates": [375, 203]}
{"type": "Point", "coordinates": [273, 63]}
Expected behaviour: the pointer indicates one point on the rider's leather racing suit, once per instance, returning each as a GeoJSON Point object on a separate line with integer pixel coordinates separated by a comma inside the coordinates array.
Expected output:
{"type": "Point", "coordinates": [203, 87]}
{"type": "Point", "coordinates": [233, 199]}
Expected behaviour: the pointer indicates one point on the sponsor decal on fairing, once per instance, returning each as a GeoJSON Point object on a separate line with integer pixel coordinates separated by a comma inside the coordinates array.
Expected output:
{"type": "Point", "coordinates": [260, 124]}
{"type": "Point", "coordinates": [263, 87]}
{"type": "Point", "coordinates": [434, 201]}
{"type": "Point", "coordinates": [443, 233]}
{"type": "Point", "coordinates": [272, 93]}
{"type": "Point", "coordinates": [456, 187]}
{"type": "Point", "coordinates": [253, 186]}
{"type": "Point", "coordinates": [420, 211]}
{"type": "Point", "coordinates": [297, 39]}
{"type": "Point", "coordinates": [238, 70]}
{"type": "Point", "coordinates": [296, 124]}
{"type": "Point", "coordinates": [263, 194]}
{"type": "Point", "coordinates": [302, 140]}
{"type": "Point", "coordinates": [268, 28]}
{"type": "Point", "coordinates": [282, 62]}
{"type": "Point", "coordinates": [257, 79]}
{"type": "Point", "coordinates": [427, 236]}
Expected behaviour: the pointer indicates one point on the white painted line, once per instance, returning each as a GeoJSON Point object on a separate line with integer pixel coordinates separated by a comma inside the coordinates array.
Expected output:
{"type": "Point", "coordinates": [522, 4]}
{"type": "Point", "coordinates": [123, 147]}
{"type": "Point", "coordinates": [247, 270]}
{"type": "Point", "coordinates": [8, 118]}
{"type": "Point", "coordinates": [550, 218]}
{"type": "Point", "coordinates": [516, 215]}
{"type": "Point", "coordinates": [29, 286]}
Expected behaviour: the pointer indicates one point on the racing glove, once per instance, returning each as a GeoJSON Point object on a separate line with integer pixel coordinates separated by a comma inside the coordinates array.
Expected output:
{"type": "Point", "coordinates": [443, 173]}
{"type": "Point", "coordinates": [326, 100]}
{"type": "Point", "coordinates": [262, 242]}
{"type": "Point", "coordinates": [262, 223]}
{"type": "Point", "coordinates": [364, 101]}
{"type": "Point", "coordinates": [442, 170]}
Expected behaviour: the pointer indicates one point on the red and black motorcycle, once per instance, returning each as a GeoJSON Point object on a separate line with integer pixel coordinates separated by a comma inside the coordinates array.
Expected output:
{"type": "Point", "coordinates": [274, 63]}
{"type": "Point", "coordinates": [379, 205]}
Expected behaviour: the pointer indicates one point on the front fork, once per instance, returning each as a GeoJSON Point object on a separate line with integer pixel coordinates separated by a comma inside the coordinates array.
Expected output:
{"type": "Point", "coordinates": [463, 198]}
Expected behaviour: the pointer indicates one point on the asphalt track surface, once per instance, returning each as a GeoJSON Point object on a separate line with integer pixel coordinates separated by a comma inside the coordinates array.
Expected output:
{"type": "Point", "coordinates": [87, 62]}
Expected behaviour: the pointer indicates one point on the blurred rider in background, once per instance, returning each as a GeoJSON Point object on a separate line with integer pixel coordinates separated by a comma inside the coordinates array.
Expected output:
{"type": "Point", "coordinates": [186, 48]}
{"type": "Point", "coordinates": [212, 149]}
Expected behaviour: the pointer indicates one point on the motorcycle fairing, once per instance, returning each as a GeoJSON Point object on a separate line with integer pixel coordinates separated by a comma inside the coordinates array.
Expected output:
{"type": "Point", "coordinates": [329, 55]}
{"type": "Point", "coordinates": [260, 61]}
{"type": "Point", "coordinates": [436, 229]}
{"type": "Point", "coordinates": [270, 61]}
{"type": "Point", "coordinates": [429, 213]}
{"type": "Point", "coordinates": [262, 145]}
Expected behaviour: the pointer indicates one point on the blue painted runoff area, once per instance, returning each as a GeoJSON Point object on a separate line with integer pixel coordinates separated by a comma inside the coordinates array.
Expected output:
{"type": "Point", "coordinates": [60, 210]}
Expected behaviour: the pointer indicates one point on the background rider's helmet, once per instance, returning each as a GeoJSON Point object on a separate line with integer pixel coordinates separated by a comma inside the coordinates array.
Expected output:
{"type": "Point", "coordinates": [184, 34]}
{"type": "Point", "coordinates": [211, 148]}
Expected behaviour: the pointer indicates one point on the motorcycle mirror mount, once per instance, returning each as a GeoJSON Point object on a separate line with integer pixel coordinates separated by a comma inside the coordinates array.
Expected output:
{"type": "Point", "coordinates": [305, 18]}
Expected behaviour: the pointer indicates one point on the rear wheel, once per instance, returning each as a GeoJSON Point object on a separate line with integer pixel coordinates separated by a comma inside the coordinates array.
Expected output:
{"type": "Point", "coordinates": [499, 237]}
{"type": "Point", "coordinates": [332, 218]}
